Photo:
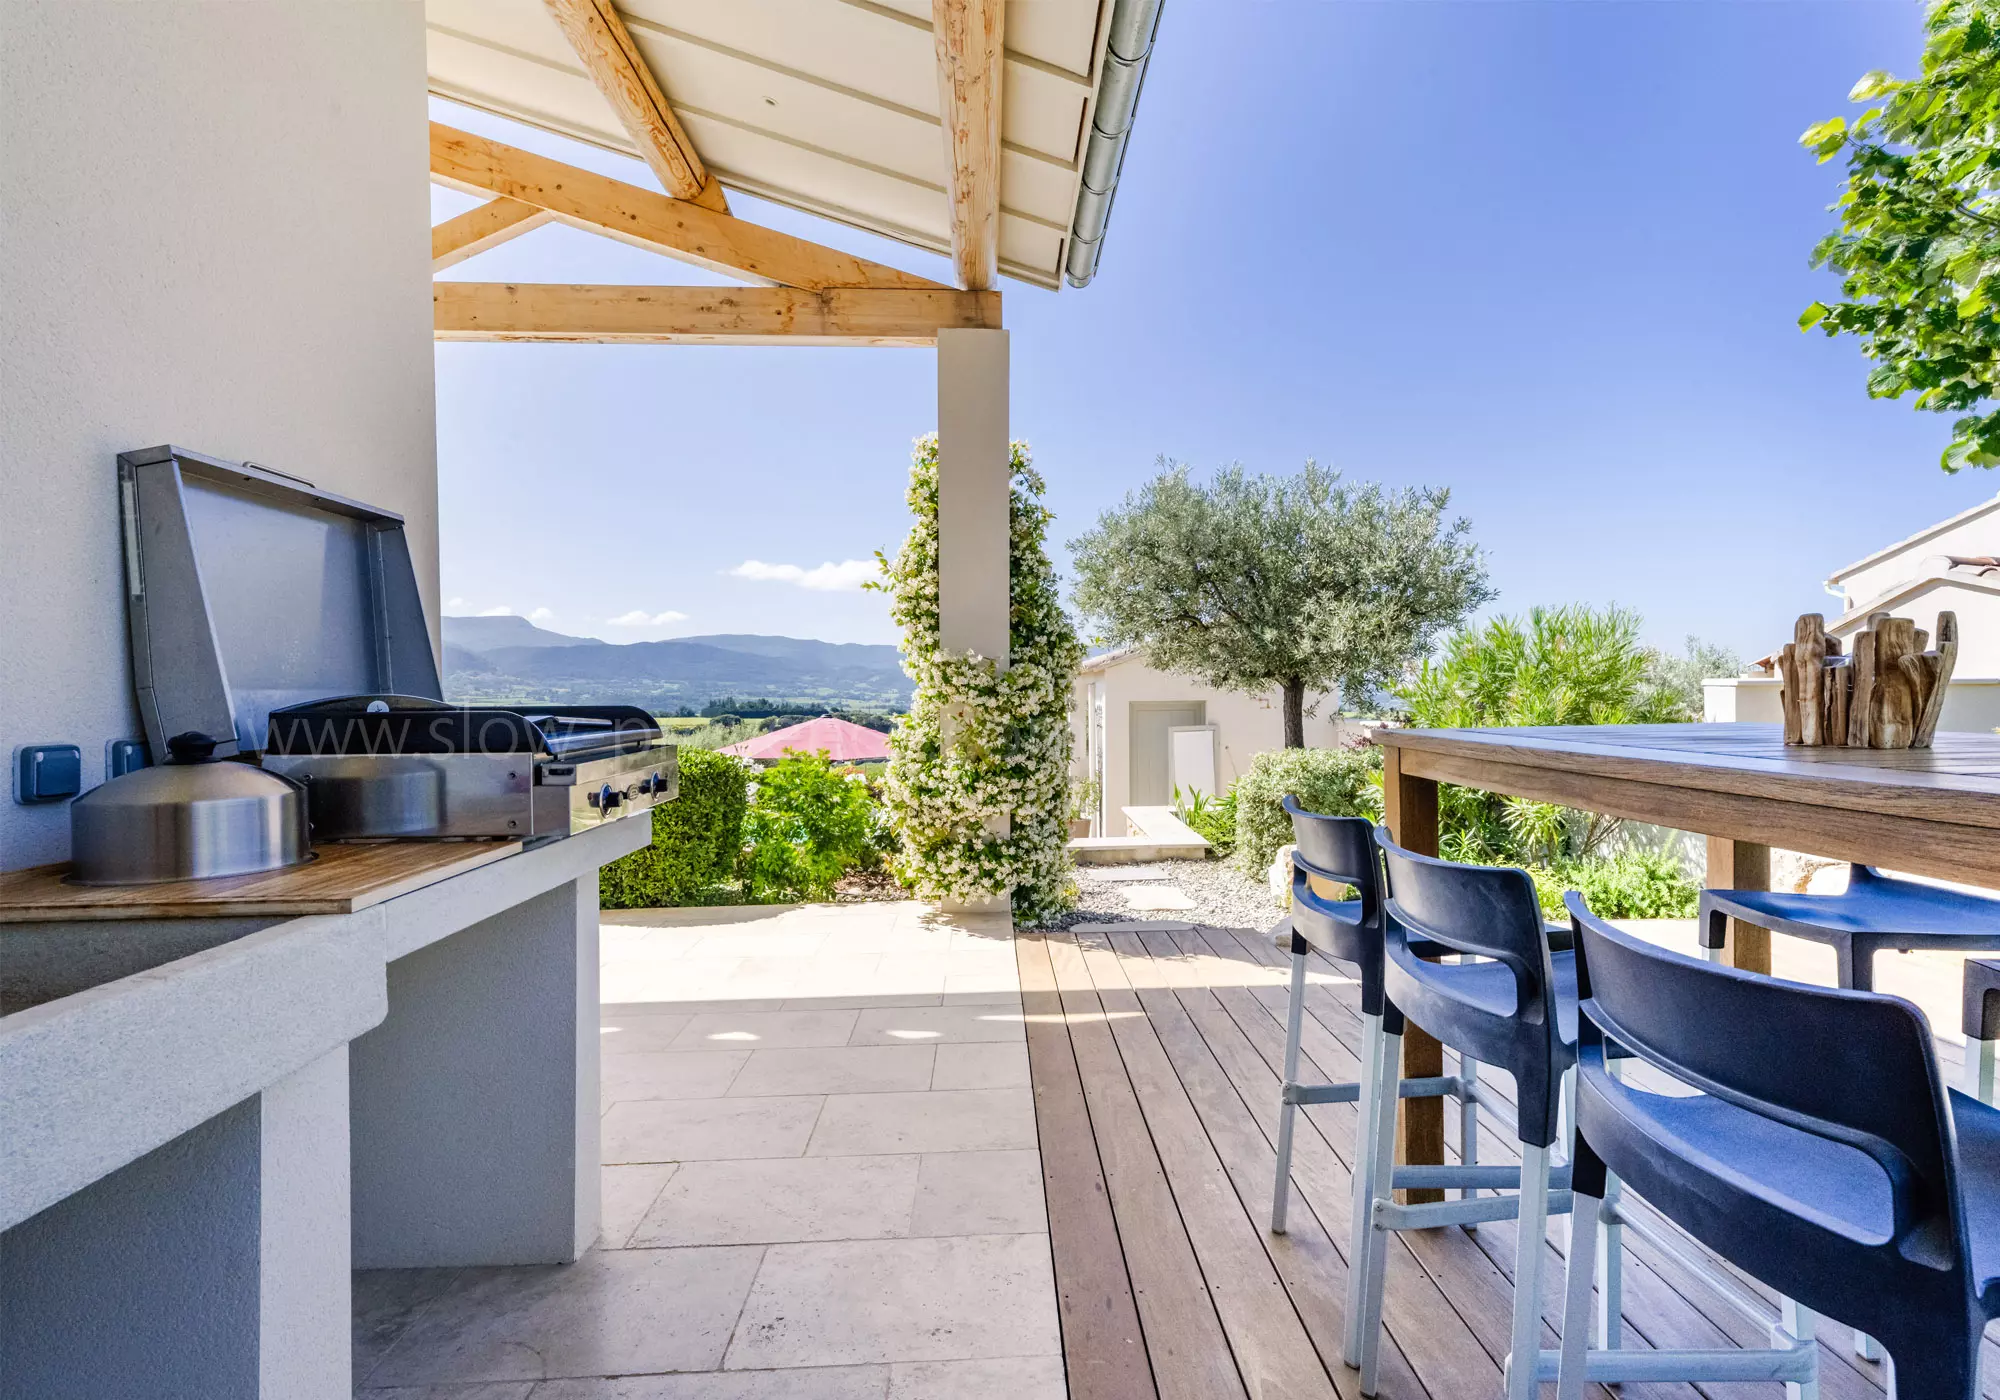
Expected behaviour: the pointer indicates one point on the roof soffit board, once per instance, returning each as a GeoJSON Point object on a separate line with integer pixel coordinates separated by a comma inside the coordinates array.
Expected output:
{"type": "Point", "coordinates": [1907, 590]}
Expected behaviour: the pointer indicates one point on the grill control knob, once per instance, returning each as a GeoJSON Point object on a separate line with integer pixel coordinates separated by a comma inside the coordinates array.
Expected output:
{"type": "Point", "coordinates": [604, 799]}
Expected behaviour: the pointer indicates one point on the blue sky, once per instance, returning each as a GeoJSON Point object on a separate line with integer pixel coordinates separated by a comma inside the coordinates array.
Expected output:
{"type": "Point", "coordinates": [1548, 255]}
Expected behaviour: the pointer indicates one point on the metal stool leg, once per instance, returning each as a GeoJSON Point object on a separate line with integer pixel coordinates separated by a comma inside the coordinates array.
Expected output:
{"type": "Point", "coordinates": [1584, 1253]}
{"type": "Point", "coordinates": [1382, 1173]}
{"type": "Point", "coordinates": [1799, 1323]}
{"type": "Point", "coordinates": [1979, 1068]}
{"type": "Point", "coordinates": [1287, 1110]}
{"type": "Point", "coordinates": [1361, 1190]}
{"type": "Point", "coordinates": [1468, 1121]}
{"type": "Point", "coordinates": [1530, 1249]}
{"type": "Point", "coordinates": [1608, 1332]}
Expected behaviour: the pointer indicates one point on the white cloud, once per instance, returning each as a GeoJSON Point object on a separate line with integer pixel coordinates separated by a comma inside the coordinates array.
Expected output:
{"type": "Point", "coordinates": [639, 617]}
{"type": "Point", "coordinates": [502, 611]}
{"type": "Point", "coordinates": [454, 602]}
{"type": "Point", "coordinates": [541, 615]}
{"type": "Point", "coordinates": [847, 576]}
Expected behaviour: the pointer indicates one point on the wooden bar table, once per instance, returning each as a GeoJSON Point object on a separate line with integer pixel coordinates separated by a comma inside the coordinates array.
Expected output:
{"type": "Point", "coordinates": [1932, 811]}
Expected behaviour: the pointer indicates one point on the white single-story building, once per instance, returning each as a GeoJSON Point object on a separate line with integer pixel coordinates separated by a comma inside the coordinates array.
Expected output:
{"type": "Point", "coordinates": [1952, 566]}
{"type": "Point", "coordinates": [1142, 732]}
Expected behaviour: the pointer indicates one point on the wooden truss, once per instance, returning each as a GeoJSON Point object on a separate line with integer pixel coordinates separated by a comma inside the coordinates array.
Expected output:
{"type": "Point", "coordinates": [804, 293]}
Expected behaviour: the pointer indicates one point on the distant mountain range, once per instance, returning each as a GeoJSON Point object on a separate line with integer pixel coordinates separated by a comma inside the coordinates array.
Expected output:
{"type": "Point", "coordinates": [509, 658]}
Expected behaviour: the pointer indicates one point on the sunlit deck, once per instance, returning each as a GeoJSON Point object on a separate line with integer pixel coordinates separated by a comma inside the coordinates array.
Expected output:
{"type": "Point", "coordinates": [1155, 1051]}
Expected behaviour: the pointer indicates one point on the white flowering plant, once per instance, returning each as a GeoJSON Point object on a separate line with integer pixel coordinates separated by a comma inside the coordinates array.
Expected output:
{"type": "Point", "coordinates": [978, 780]}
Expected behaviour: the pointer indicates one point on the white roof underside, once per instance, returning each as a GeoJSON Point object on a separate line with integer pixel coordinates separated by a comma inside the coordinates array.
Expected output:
{"type": "Point", "coordinates": [829, 106]}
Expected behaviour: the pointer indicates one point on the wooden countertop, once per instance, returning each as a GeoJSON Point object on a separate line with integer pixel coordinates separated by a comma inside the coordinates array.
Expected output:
{"type": "Point", "coordinates": [340, 879]}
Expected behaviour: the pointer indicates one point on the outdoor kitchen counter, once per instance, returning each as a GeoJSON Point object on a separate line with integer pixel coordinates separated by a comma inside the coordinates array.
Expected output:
{"type": "Point", "coordinates": [1932, 811]}
{"type": "Point", "coordinates": [180, 1132]}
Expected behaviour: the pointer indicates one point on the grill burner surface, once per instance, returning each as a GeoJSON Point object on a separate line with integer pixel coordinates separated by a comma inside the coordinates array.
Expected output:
{"type": "Point", "coordinates": [403, 765]}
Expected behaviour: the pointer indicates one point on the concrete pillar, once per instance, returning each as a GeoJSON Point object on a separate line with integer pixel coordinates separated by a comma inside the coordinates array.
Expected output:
{"type": "Point", "coordinates": [475, 1104]}
{"type": "Point", "coordinates": [304, 1279]}
{"type": "Point", "coordinates": [973, 490]}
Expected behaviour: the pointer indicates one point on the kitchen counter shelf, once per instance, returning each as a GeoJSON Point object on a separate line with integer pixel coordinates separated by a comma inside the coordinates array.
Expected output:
{"type": "Point", "coordinates": [340, 879]}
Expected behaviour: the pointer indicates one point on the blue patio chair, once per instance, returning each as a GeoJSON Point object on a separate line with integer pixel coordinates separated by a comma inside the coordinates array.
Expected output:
{"type": "Point", "coordinates": [1341, 851]}
{"type": "Point", "coordinates": [1514, 1009]}
{"type": "Point", "coordinates": [1820, 1152]}
{"type": "Point", "coordinates": [1875, 912]}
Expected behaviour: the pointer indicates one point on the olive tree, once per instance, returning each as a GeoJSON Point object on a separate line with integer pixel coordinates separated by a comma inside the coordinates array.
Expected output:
{"type": "Point", "coordinates": [1918, 247]}
{"type": "Point", "coordinates": [1300, 583]}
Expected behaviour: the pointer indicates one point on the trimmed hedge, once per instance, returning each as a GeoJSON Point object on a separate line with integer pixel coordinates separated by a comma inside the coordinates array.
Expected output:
{"type": "Point", "coordinates": [697, 838]}
{"type": "Point", "coordinates": [1344, 782]}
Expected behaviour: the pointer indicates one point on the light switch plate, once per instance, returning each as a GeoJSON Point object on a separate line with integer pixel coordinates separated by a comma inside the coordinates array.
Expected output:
{"type": "Point", "coordinates": [47, 773]}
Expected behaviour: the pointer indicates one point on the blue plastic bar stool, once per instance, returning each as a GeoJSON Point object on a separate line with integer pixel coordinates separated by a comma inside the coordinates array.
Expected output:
{"type": "Point", "coordinates": [1515, 1010]}
{"type": "Point", "coordinates": [1341, 851]}
{"type": "Point", "coordinates": [1875, 912]}
{"type": "Point", "coordinates": [1981, 1024]}
{"type": "Point", "coordinates": [1821, 1153]}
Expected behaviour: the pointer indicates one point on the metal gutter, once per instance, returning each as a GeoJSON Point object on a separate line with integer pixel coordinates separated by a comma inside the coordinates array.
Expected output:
{"type": "Point", "coordinates": [1134, 23]}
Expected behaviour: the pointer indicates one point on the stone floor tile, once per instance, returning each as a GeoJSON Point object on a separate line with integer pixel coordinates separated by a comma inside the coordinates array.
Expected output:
{"type": "Point", "coordinates": [611, 1312]}
{"type": "Point", "coordinates": [943, 1023]}
{"type": "Point", "coordinates": [691, 1005]}
{"type": "Point", "coordinates": [981, 1064]}
{"type": "Point", "coordinates": [797, 1383]}
{"type": "Point", "coordinates": [624, 1034]}
{"type": "Point", "coordinates": [844, 1069]}
{"type": "Point", "coordinates": [956, 1120]}
{"type": "Point", "coordinates": [479, 1390]}
{"type": "Point", "coordinates": [385, 1303]}
{"type": "Point", "coordinates": [672, 980]}
{"type": "Point", "coordinates": [980, 989]}
{"type": "Point", "coordinates": [979, 1193]}
{"type": "Point", "coordinates": [766, 1030]}
{"type": "Point", "coordinates": [1014, 1378]}
{"type": "Point", "coordinates": [784, 1200]}
{"type": "Point", "coordinates": [669, 1074]}
{"type": "Point", "coordinates": [863, 1002]}
{"type": "Point", "coordinates": [626, 1194]}
{"type": "Point", "coordinates": [706, 1130]}
{"type": "Point", "coordinates": [956, 1298]}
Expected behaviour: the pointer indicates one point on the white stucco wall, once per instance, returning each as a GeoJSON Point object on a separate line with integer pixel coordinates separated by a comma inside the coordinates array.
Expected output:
{"type": "Point", "coordinates": [1978, 535]}
{"type": "Point", "coordinates": [1970, 705]}
{"type": "Point", "coordinates": [1247, 725]}
{"type": "Point", "coordinates": [214, 231]}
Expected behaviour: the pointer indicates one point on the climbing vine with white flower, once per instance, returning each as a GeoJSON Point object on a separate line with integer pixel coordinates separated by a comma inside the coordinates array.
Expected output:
{"type": "Point", "coordinates": [978, 781]}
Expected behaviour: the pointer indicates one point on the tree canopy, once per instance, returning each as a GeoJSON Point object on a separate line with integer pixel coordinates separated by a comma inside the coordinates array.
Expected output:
{"type": "Point", "coordinates": [1918, 247]}
{"type": "Point", "coordinates": [1303, 582]}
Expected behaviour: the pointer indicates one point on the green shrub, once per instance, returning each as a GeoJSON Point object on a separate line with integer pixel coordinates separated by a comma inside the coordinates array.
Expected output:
{"type": "Point", "coordinates": [1629, 885]}
{"type": "Point", "coordinates": [808, 825]}
{"type": "Point", "coordinates": [1344, 782]}
{"type": "Point", "coordinates": [697, 838]}
{"type": "Point", "coordinates": [1211, 818]}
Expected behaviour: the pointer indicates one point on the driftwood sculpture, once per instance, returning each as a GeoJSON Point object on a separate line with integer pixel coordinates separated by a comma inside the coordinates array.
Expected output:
{"type": "Point", "coordinates": [1887, 694]}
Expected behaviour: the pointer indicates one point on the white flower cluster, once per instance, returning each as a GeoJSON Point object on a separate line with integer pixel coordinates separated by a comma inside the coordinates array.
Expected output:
{"type": "Point", "coordinates": [978, 780]}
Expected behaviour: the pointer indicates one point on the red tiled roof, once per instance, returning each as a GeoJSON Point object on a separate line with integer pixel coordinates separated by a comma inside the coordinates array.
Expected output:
{"type": "Point", "coordinates": [840, 740]}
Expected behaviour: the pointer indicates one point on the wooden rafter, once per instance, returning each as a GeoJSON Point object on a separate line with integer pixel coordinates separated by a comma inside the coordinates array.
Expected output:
{"type": "Point", "coordinates": [706, 315]}
{"type": "Point", "coordinates": [675, 227]}
{"type": "Point", "coordinates": [615, 64]}
{"type": "Point", "coordinates": [970, 58]}
{"type": "Point", "coordinates": [476, 230]}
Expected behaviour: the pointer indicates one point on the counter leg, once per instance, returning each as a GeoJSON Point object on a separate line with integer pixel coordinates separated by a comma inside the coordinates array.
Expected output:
{"type": "Point", "coordinates": [1742, 865]}
{"type": "Point", "coordinates": [306, 1351]}
{"type": "Point", "coordinates": [1410, 811]}
{"type": "Point", "coordinates": [475, 1104]}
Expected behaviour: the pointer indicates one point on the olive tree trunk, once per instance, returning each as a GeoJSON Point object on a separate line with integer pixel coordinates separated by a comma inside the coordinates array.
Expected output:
{"type": "Point", "coordinates": [1295, 714]}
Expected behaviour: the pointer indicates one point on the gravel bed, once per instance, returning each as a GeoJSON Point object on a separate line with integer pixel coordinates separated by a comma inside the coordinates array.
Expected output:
{"type": "Point", "coordinates": [1224, 897]}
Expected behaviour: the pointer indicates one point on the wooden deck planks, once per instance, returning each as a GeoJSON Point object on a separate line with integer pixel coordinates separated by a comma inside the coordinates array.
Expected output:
{"type": "Point", "coordinates": [1190, 1023]}
{"type": "Point", "coordinates": [1104, 1350]}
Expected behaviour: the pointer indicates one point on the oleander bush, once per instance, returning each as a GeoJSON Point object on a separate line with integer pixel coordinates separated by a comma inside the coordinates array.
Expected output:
{"type": "Point", "coordinates": [1342, 782]}
{"type": "Point", "coordinates": [697, 839]}
{"type": "Point", "coordinates": [808, 824]}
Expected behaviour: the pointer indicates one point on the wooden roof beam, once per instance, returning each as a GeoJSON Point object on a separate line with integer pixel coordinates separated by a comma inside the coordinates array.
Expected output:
{"type": "Point", "coordinates": [970, 55]}
{"type": "Point", "coordinates": [620, 72]}
{"type": "Point", "coordinates": [678, 228]}
{"type": "Point", "coordinates": [706, 315]}
{"type": "Point", "coordinates": [476, 230]}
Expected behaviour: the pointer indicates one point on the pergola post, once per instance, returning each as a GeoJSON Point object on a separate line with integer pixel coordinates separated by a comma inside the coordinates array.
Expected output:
{"type": "Point", "coordinates": [974, 487]}
{"type": "Point", "coordinates": [973, 492]}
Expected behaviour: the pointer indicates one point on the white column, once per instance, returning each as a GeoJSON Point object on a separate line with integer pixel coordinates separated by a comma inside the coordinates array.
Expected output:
{"type": "Point", "coordinates": [306, 1350]}
{"type": "Point", "coordinates": [973, 490]}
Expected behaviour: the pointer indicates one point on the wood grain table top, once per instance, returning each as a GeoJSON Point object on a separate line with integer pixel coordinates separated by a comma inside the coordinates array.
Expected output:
{"type": "Point", "coordinates": [1956, 781]}
{"type": "Point", "coordinates": [340, 879]}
